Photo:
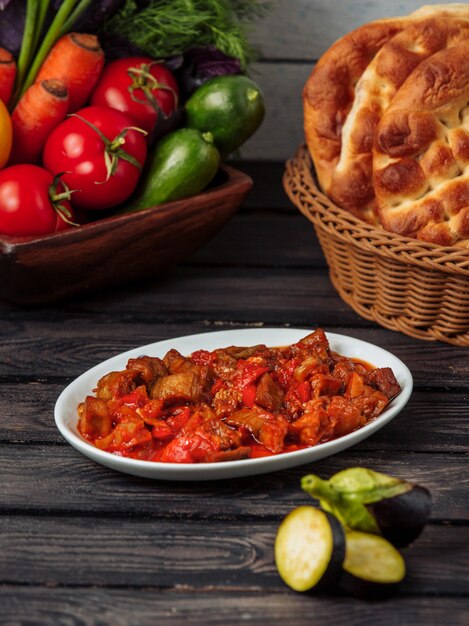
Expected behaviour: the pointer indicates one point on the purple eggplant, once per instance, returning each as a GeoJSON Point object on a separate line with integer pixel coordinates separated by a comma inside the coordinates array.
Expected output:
{"type": "Point", "coordinates": [372, 502]}
{"type": "Point", "coordinates": [402, 518]}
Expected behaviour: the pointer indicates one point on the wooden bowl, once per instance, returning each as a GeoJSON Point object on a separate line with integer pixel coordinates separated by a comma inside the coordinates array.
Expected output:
{"type": "Point", "coordinates": [113, 250]}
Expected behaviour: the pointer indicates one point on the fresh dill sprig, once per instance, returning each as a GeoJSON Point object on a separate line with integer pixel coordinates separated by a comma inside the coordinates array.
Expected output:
{"type": "Point", "coordinates": [168, 27]}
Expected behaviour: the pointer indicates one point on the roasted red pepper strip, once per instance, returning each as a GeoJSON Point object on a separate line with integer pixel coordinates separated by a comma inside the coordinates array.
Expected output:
{"type": "Point", "coordinates": [303, 391]}
{"type": "Point", "coordinates": [247, 374]}
{"type": "Point", "coordinates": [249, 395]}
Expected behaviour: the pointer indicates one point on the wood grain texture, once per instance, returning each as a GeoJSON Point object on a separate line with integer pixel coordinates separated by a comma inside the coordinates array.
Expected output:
{"type": "Point", "coordinates": [71, 344]}
{"type": "Point", "coordinates": [70, 482]}
{"type": "Point", "coordinates": [181, 607]}
{"type": "Point", "coordinates": [303, 29]}
{"type": "Point", "coordinates": [139, 552]}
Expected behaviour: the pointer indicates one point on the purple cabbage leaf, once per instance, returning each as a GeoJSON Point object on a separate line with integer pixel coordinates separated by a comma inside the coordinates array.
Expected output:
{"type": "Point", "coordinates": [196, 65]}
{"type": "Point", "coordinates": [12, 24]}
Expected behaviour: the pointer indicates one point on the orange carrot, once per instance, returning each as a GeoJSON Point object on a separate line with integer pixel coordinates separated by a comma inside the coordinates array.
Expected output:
{"type": "Point", "coordinates": [78, 60]}
{"type": "Point", "coordinates": [7, 75]}
{"type": "Point", "coordinates": [43, 106]}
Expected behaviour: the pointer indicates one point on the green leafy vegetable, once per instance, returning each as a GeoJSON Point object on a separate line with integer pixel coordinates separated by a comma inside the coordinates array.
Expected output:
{"type": "Point", "coordinates": [168, 27]}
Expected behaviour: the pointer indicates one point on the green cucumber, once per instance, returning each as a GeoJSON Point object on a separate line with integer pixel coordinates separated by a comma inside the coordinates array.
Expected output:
{"type": "Point", "coordinates": [182, 165]}
{"type": "Point", "coordinates": [229, 107]}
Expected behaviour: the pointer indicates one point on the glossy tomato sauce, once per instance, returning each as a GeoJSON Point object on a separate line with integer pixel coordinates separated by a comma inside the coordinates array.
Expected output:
{"type": "Point", "coordinates": [233, 403]}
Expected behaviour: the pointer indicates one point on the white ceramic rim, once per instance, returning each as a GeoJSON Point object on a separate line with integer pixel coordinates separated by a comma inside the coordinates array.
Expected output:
{"type": "Point", "coordinates": [66, 415]}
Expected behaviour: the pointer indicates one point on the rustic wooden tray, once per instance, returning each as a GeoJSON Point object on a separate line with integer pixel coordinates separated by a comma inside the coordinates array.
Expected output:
{"type": "Point", "coordinates": [114, 250]}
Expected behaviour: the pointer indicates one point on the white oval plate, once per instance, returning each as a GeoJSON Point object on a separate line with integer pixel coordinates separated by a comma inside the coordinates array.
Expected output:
{"type": "Point", "coordinates": [66, 407]}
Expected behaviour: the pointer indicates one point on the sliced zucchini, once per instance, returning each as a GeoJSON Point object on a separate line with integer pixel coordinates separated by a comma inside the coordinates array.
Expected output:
{"type": "Point", "coordinates": [372, 566]}
{"type": "Point", "coordinates": [309, 549]}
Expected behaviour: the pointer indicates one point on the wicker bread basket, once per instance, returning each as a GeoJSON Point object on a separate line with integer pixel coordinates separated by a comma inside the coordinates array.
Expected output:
{"type": "Point", "coordinates": [407, 285]}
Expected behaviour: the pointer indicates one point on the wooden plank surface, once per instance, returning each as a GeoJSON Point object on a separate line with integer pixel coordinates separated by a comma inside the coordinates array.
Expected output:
{"type": "Point", "coordinates": [69, 482]}
{"type": "Point", "coordinates": [130, 552]}
{"type": "Point", "coordinates": [70, 345]}
{"type": "Point", "coordinates": [303, 29]}
{"type": "Point", "coordinates": [94, 607]}
{"type": "Point", "coordinates": [81, 544]}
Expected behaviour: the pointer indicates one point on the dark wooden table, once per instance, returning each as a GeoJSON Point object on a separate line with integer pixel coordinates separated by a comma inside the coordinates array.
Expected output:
{"type": "Point", "coordinates": [81, 544]}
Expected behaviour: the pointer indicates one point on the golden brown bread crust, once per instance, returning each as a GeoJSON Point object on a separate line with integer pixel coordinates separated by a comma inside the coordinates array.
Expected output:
{"type": "Point", "coordinates": [373, 94]}
{"type": "Point", "coordinates": [421, 152]}
{"type": "Point", "coordinates": [329, 95]}
{"type": "Point", "coordinates": [329, 92]}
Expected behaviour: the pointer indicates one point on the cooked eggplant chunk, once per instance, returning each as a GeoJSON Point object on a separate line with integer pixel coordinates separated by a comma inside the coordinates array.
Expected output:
{"type": "Point", "coordinates": [268, 394]}
{"type": "Point", "coordinates": [176, 387]}
{"type": "Point", "coordinates": [309, 549]}
{"type": "Point", "coordinates": [383, 379]}
{"type": "Point", "coordinates": [372, 502]}
{"type": "Point", "coordinates": [372, 566]}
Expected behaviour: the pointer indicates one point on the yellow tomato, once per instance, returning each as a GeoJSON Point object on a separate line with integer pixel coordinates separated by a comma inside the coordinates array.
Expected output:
{"type": "Point", "coordinates": [6, 135]}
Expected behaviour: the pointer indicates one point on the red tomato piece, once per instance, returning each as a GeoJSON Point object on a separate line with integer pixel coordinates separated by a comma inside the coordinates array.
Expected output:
{"type": "Point", "coordinates": [303, 391]}
{"type": "Point", "coordinates": [247, 374]}
{"type": "Point", "coordinates": [203, 357]}
{"type": "Point", "coordinates": [138, 398]}
{"type": "Point", "coordinates": [179, 419]}
{"type": "Point", "coordinates": [249, 395]}
{"type": "Point", "coordinates": [151, 412]}
{"type": "Point", "coordinates": [161, 430]}
{"type": "Point", "coordinates": [217, 385]}
{"type": "Point", "coordinates": [30, 202]}
{"type": "Point", "coordinates": [140, 87]}
{"type": "Point", "coordinates": [101, 155]}
{"type": "Point", "coordinates": [187, 448]}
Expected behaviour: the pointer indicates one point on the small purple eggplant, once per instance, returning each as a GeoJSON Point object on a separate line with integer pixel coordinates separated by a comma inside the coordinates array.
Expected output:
{"type": "Point", "coordinates": [374, 503]}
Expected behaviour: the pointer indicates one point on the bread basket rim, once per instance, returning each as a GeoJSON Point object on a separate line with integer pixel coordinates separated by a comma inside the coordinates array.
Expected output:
{"type": "Point", "coordinates": [299, 179]}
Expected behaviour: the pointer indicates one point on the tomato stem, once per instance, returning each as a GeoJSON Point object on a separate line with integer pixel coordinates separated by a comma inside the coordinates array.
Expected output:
{"type": "Point", "coordinates": [112, 148]}
{"type": "Point", "coordinates": [143, 79]}
{"type": "Point", "coordinates": [56, 199]}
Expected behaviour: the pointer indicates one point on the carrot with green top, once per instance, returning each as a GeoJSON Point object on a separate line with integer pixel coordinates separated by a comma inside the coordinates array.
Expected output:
{"type": "Point", "coordinates": [40, 110]}
{"type": "Point", "coordinates": [77, 59]}
{"type": "Point", "coordinates": [7, 75]}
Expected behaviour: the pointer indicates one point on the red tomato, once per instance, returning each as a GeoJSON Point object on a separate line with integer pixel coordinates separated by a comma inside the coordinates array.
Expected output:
{"type": "Point", "coordinates": [249, 395]}
{"type": "Point", "coordinates": [29, 204]}
{"type": "Point", "coordinates": [95, 158]}
{"type": "Point", "coordinates": [140, 87]}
